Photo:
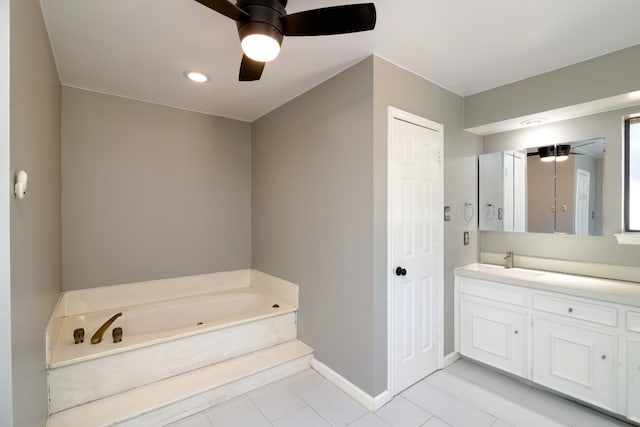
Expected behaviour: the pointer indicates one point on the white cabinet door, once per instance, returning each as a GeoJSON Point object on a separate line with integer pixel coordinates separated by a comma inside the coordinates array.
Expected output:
{"type": "Point", "coordinates": [493, 335]}
{"type": "Point", "coordinates": [576, 360]}
{"type": "Point", "coordinates": [633, 384]}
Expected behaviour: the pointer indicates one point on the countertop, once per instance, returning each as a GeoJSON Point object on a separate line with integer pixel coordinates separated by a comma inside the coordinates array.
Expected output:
{"type": "Point", "coordinates": [614, 291]}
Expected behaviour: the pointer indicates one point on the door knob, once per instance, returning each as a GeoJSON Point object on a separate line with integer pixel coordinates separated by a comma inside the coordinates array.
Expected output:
{"type": "Point", "coordinates": [401, 271]}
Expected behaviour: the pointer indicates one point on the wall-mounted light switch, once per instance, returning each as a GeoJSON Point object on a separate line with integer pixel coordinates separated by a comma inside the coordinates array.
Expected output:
{"type": "Point", "coordinates": [447, 213]}
{"type": "Point", "coordinates": [466, 238]}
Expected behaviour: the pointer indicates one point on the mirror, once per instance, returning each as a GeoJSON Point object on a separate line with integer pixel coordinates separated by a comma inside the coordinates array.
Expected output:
{"type": "Point", "coordinates": [546, 189]}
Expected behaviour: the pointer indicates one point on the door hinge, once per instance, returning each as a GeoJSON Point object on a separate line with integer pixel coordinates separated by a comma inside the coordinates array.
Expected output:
{"type": "Point", "coordinates": [439, 157]}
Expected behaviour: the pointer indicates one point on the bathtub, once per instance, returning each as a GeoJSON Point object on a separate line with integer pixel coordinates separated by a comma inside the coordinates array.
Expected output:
{"type": "Point", "coordinates": [169, 327]}
{"type": "Point", "coordinates": [156, 322]}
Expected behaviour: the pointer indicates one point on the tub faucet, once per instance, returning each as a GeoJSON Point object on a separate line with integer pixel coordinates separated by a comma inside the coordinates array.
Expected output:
{"type": "Point", "coordinates": [508, 260]}
{"type": "Point", "coordinates": [97, 337]}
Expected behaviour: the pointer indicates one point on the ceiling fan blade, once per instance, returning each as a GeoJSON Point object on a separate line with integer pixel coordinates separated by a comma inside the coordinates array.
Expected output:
{"type": "Point", "coordinates": [250, 70]}
{"type": "Point", "coordinates": [331, 20]}
{"type": "Point", "coordinates": [226, 8]}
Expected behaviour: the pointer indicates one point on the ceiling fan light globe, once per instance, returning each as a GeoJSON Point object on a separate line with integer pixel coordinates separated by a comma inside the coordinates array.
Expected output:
{"type": "Point", "coordinates": [260, 47]}
{"type": "Point", "coordinates": [561, 158]}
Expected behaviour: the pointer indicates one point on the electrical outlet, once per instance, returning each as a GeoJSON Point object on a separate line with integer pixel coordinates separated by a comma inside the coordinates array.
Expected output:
{"type": "Point", "coordinates": [466, 238]}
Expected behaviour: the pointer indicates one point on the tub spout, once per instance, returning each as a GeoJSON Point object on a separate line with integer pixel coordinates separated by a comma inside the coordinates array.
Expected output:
{"type": "Point", "coordinates": [97, 337]}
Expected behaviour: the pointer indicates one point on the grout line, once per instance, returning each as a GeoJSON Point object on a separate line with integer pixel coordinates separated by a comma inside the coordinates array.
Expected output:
{"type": "Point", "coordinates": [307, 403]}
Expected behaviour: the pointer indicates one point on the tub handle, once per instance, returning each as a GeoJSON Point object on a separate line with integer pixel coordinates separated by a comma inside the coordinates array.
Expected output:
{"type": "Point", "coordinates": [97, 337]}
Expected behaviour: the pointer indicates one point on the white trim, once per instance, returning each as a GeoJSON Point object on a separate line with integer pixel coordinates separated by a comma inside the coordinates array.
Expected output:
{"type": "Point", "coordinates": [628, 238]}
{"type": "Point", "coordinates": [6, 197]}
{"type": "Point", "coordinates": [365, 399]}
{"type": "Point", "coordinates": [450, 359]}
{"type": "Point", "coordinates": [393, 112]}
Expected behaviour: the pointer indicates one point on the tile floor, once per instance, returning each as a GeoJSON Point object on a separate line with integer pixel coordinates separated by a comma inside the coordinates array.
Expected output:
{"type": "Point", "coordinates": [463, 395]}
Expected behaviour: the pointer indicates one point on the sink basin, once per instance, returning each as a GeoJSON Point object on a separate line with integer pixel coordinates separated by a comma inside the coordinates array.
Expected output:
{"type": "Point", "coordinates": [516, 273]}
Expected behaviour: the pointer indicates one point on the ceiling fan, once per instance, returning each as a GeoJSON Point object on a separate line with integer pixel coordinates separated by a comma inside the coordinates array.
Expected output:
{"type": "Point", "coordinates": [262, 24]}
{"type": "Point", "coordinates": [554, 153]}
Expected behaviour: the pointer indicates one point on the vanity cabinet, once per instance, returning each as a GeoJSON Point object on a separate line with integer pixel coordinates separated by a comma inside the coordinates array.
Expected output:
{"type": "Point", "coordinates": [493, 327]}
{"type": "Point", "coordinates": [633, 372]}
{"type": "Point", "coordinates": [576, 360]}
{"type": "Point", "coordinates": [575, 348]}
{"type": "Point", "coordinates": [632, 320]}
{"type": "Point", "coordinates": [585, 348]}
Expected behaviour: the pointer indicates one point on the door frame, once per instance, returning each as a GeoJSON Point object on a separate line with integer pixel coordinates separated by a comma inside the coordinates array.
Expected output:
{"type": "Point", "coordinates": [396, 113]}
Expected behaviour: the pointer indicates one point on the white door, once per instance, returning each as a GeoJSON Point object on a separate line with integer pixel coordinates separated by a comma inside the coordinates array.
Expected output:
{"type": "Point", "coordinates": [416, 261]}
{"type": "Point", "coordinates": [582, 202]}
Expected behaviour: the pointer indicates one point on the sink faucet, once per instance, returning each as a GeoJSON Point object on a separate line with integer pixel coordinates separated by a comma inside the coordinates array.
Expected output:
{"type": "Point", "coordinates": [97, 337]}
{"type": "Point", "coordinates": [508, 260]}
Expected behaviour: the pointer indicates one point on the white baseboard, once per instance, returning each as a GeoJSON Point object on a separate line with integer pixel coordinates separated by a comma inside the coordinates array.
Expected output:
{"type": "Point", "coordinates": [368, 401]}
{"type": "Point", "coordinates": [450, 358]}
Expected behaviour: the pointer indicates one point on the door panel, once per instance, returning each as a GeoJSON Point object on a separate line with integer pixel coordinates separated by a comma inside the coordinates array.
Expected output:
{"type": "Point", "coordinates": [576, 360]}
{"type": "Point", "coordinates": [416, 229]}
{"type": "Point", "coordinates": [493, 335]}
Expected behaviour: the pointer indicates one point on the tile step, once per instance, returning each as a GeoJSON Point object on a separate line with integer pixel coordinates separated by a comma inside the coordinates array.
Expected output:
{"type": "Point", "coordinates": [165, 401]}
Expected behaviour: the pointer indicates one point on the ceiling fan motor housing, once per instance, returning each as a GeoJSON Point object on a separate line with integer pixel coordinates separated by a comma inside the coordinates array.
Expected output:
{"type": "Point", "coordinates": [264, 18]}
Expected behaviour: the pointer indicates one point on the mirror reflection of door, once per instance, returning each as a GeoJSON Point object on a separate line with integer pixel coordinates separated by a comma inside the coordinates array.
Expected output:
{"type": "Point", "coordinates": [547, 189]}
{"type": "Point", "coordinates": [583, 179]}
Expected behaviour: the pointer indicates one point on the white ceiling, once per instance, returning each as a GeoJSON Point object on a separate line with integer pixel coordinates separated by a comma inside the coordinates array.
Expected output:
{"type": "Point", "coordinates": [140, 48]}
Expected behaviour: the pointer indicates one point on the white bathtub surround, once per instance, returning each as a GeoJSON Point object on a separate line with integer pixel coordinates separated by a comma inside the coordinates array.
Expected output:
{"type": "Point", "coordinates": [237, 321]}
{"type": "Point", "coordinates": [78, 383]}
{"type": "Point", "coordinates": [592, 269]}
{"type": "Point", "coordinates": [168, 400]}
{"type": "Point", "coordinates": [89, 308]}
{"type": "Point", "coordinates": [276, 287]}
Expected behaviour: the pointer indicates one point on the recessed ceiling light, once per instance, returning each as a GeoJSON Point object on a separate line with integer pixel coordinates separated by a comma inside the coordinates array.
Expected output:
{"type": "Point", "coordinates": [532, 122]}
{"type": "Point", "coordinates": [197, 76]}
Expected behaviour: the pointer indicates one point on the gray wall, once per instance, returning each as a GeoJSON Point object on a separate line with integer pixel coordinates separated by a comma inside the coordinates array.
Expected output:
{"type": "Point", "coordinates": [602, 77]}
{"type": "Point", "coordinates": [35, 221]}
{"type": "Point", "coordinates": [599, 249]}
{"type": "Point", "coordinates": [150, 191]}
{"type": "Point", "coordinates": [5, 248]}
{"type": "Point", "coordinates": [320, 206]}
{"type": "Point", "coordinates": [312, 220]}
{"type": "Point", "coordinates": [399, 88]}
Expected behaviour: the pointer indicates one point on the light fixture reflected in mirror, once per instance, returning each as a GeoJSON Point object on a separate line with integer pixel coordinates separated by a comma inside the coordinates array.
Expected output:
{"type": "Point", "coordinates": [547, 154]}
{"type": "Point", "coordinates": [557, 153]}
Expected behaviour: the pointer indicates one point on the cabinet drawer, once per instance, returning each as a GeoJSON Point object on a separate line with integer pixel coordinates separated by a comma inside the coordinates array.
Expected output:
{"type": "Point", "coordinates": [633, 321]}
{"type": "Point", "coordinates": [574, 309]}
{"type": "Point", "coordinates": [494, 291]}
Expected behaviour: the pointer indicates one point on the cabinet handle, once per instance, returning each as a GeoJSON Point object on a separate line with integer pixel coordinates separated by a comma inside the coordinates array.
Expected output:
{"type": "Point", "coordinates": [570, 310]}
